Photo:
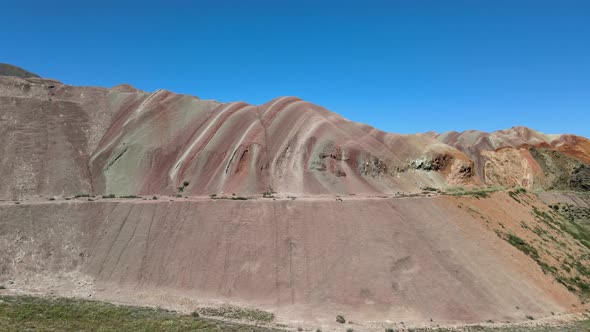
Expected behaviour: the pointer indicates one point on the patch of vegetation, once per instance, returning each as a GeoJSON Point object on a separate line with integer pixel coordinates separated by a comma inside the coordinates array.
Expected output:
{"type": "Point", "coordinates": [477, 193]}
{"type": "Point", "coordinates": [340, 319]}
{"type": "Point", "coordinates": [233, 312]}
{"type": "Point", "coordinates": [515, 193]}
{"type": "Point", "coordinates": [430, 189]}
{"type": "Point", "coordinates": [24, 313]}
{"type": "Point", "coordinates": [109, 196]}
{"type": "Point", "coordinates": [523, 246]}
{"type": "Point", "coordinates": [82, 195]}
{"type": "Point", "coordinates": [269, 193]}
{"type": "Point", "coordinates": [184, 185]}
{"type": "Point", "coordinates": [233, 198]}
{"type": "Point", "coordinates": [573, 272]}
{"type": "Point", "coordinates": [128, 196]}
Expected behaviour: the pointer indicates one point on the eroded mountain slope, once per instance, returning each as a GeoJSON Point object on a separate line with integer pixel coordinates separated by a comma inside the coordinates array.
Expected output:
{"type": "Point", "coordinates": [369, 259]}
{"type": "Point", "coordinates": [63, 140]}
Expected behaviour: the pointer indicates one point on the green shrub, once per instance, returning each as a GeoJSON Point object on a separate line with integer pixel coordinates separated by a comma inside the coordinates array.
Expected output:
{"type": "Point", "coordinates": [523, 246]}
{"type": "Point", "coordinates": [340, 319]}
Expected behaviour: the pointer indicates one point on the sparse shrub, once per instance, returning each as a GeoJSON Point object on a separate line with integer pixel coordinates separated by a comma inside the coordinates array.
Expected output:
{"type": "Point", "coordinates": [52, 198]}
{"type": "Point", "coordinates": [299, 329]}
{"type": "Point", "coordinates": [185, 183]}
{"type": "Point", "coordinates": [82, 195]}
{"type": "Point", "coordinates": [269, 193]}
{"type": "Point", "coordinates": [349, 330]}
{"type": "Point", "coordinates": [523, 246]}
{"type": "Point", "coordinates": [2, 287]}
{"type": "Point", "coordinates": [340, 319]}
{"type": "Point", "coordinates": [195, 314]}
{"type": "Point", "coordinates": [429, 189]}
{"type": "Point", "coordinates": [155, 198]}
{"type": "Point", "coordinates": [180, 189]}
{"type": "Point", "coordinates": [232, 312]}
{"type": "Point", "coordinates": [109, 196]}
{"type": "Point", "coordinates": [530, 317]}
{"type": "Point", "coordinates": [389, 330]}
{"type": "Point", "coordinates": [128, 196]}
{"type": "Point", "coordinates": [213, 196]}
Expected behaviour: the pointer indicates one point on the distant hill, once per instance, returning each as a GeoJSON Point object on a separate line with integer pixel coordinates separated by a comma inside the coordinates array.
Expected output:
{"type": "Point", "coordinates": [10, 70]}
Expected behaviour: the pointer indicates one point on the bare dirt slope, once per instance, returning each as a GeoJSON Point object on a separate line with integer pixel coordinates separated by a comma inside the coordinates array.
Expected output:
{"type": "Point", "coordinates": [397, 259]}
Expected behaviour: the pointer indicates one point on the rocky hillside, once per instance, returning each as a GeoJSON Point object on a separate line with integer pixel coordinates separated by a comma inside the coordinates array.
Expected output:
{"type": "Point", "coordinates": [169, 200]}
{"type": "Point", "coordinates": [67, 140]}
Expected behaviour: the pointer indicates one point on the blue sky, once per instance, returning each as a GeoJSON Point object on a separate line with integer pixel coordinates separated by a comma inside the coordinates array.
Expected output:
{"type": "Point", "coordinates": [401, 66]}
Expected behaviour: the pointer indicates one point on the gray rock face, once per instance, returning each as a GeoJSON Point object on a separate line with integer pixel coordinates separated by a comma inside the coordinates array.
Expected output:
{"type": "Point", "coordinates": [580, 179]}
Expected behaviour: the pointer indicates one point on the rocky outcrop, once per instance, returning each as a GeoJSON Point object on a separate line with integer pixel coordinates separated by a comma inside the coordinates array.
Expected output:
{"type": "Point", "coordinates": [580, 178]}
{"type": "Point", "coordinates": [522, 157]}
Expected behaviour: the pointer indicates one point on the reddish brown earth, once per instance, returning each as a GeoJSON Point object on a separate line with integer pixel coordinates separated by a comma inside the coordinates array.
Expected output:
{"type": "Point", "coordinates": [344, 243]}
{"type": "Point", "coordinates": [62, 140]}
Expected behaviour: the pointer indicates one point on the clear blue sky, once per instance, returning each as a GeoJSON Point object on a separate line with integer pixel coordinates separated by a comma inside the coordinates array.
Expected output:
{"type": "Point", "coordinates": [401, 66]}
